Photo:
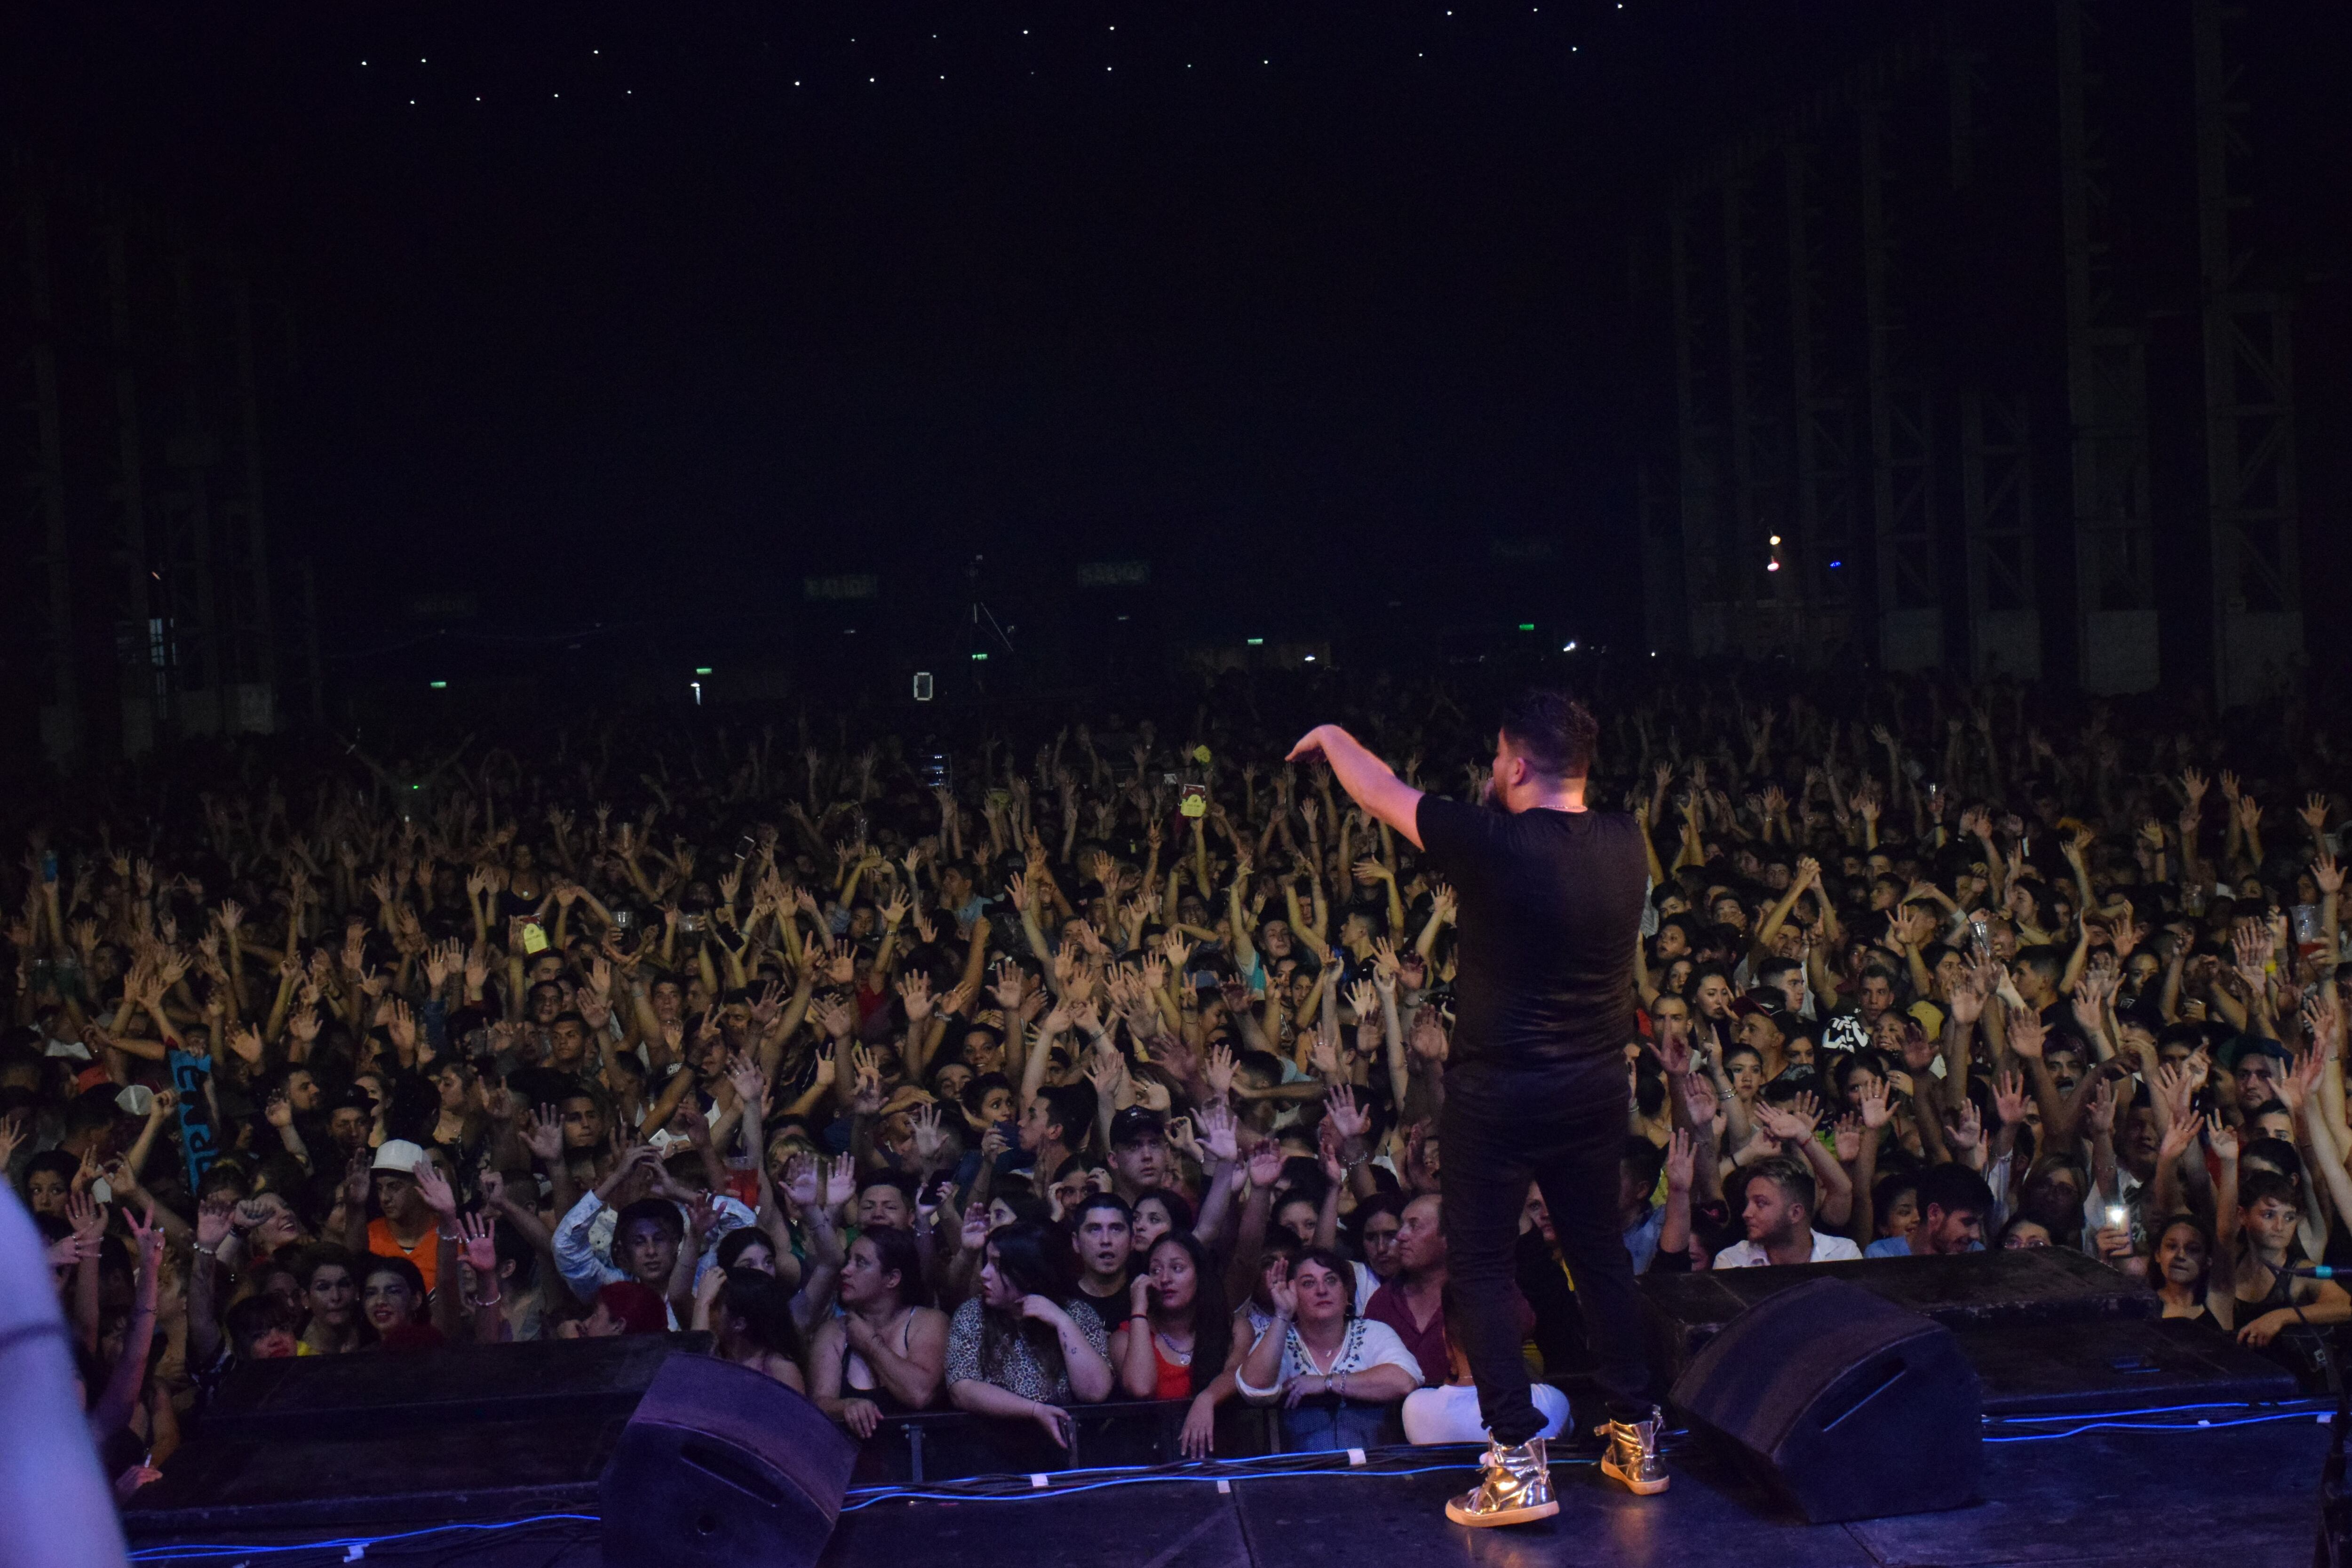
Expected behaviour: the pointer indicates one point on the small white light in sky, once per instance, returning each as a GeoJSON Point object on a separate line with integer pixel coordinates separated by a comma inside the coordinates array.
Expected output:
{"type": "Point", "coordinates": [1772, 567]}
{"type": "Point", "coordinates": [1774, 540]}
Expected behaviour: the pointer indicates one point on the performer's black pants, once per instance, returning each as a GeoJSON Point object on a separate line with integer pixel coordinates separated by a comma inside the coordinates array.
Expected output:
{"type": "Point", "coordinates": [1567, 1137]}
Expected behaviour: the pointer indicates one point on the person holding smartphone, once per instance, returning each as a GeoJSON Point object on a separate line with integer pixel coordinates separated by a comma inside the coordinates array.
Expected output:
{"type": "Point", "coordinates": [1549, 894]}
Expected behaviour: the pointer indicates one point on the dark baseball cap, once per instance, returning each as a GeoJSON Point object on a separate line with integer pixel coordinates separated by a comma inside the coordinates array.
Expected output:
{"type": "Point", "coordinates": [1137, 1124]}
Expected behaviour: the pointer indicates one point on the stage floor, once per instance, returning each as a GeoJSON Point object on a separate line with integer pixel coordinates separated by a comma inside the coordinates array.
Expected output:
{"type": "Point", "coordinates": [2227, 1498]}
{"type": "Point", "coordinates": [2241, 1497]}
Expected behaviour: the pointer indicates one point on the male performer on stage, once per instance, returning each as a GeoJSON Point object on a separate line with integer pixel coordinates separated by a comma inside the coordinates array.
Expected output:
{"type": "Point", "coordinates": [1549, 894]}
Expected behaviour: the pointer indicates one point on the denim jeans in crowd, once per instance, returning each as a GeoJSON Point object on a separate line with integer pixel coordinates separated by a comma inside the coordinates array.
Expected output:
{"type": "Point", "coordinates": [1329, 1424]}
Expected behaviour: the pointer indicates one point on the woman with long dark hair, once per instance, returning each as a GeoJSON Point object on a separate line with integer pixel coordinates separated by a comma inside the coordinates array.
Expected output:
{"type": "Point", "coordinates": [1028, 1344]}
{"type": "Point", "coordinates": [1178, 1340]}
{"type": "Point", "coordinates": [884, 1354]}
{"type": "Point", "coordinates": [1159, 1211]}
{"type": "Point", "coordinates": [753, 1316]}
{"type": "Point", "coordinates": [2179, 1267]}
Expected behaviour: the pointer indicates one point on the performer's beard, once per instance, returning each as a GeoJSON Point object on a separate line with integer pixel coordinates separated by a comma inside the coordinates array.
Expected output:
{"type": "Point", "coordinates": [1488, 798]}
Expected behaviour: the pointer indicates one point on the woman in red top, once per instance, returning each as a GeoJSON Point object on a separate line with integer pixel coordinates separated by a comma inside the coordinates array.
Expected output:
{"type": "Point", "coordinates": [1178, 1340]}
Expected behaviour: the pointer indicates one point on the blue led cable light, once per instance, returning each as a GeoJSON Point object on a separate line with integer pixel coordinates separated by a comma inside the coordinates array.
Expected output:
{"type": "Point", "coordinates": [355, 1547]}
{"type": "Point", "coordinates": [2307, 1415]}
{"type": "Point", "coordinates": [2303, 1406]}
{"type": "Point", "coordinates": [1268, 1467]}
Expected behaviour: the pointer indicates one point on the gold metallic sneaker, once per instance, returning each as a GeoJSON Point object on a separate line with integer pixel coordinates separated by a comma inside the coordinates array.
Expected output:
{"type": "Point", "coordinates": [1632, 1457]}
{"type": "Point", "coordinates": [1517, 1488]}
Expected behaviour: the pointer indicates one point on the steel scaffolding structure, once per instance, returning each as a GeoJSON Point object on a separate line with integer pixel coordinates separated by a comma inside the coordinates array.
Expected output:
{"type": "Point", "coordinates": [1919, 306]}
{"type": "Point", "coordinates": [1821, 523]}
{"type": "Point", "coordinates": [1997, 506]}
{"type": "Point", "coordinates": [2107, 394]}
{"type": "Point", "coordinates": [1902, 435]}
{"type": "Point", "coordinates": [47, 522]}
{"type": "Point", "coordinates": [140, 447]}
{"type": "Point", "coordinates": [2250, 470]}
{"type": "Point", "coordinates": [1771, 478]}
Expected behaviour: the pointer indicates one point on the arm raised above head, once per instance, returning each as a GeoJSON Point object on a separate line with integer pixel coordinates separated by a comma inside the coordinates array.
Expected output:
{"type": "Point", "coordinates": [1369, 781]}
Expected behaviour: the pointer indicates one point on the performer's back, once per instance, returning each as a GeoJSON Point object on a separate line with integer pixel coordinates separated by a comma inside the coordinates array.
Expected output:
{"type": "Point", "coordinates": [1550, 907]}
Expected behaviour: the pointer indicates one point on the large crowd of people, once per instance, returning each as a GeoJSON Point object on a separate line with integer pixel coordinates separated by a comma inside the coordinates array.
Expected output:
{"type": "Point", "coordinates": [1062, 1064]}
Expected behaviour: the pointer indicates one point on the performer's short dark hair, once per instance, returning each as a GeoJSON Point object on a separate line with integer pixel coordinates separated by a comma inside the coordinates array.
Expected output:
{"type": "Point", "coordinates": [1553, 731]}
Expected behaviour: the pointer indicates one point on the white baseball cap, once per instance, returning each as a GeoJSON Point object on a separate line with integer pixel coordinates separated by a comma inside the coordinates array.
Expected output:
{"type": "Point", "coordinates": [398, 1154]}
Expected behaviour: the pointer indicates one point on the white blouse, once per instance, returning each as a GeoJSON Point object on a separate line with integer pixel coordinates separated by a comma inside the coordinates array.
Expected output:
{"type": "Point", "coordinates": [1367, 1344]}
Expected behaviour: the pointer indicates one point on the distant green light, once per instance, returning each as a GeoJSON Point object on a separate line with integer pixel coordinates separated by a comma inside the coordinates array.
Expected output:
{"type": "Point", "coordinates": [440, 686]}
{"type": "Point", "coordinates": [1527, 625]}
{"type": "Point", "coordinates": [1257, 642]}
{"type": "Point", "coordinates": [979, 656]}
{"type": "Point", "coordinates": [702, 669]}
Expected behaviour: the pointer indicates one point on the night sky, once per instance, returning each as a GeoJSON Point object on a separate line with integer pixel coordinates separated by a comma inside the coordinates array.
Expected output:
{"type": "Point", "coordinates": [617, 311]}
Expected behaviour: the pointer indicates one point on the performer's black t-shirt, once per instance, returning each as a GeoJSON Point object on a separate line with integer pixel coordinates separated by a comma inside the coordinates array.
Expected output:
{"type": "Point", "coordinates": [1550, 907]}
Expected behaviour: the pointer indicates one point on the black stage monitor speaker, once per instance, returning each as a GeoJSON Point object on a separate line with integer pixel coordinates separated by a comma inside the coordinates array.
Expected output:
{"type": "Point", "coordinates": [721, 1464]}
{"type": "Point", "coordinates": [686, 1460]}
{"type": "Point", "coordinates": [376, 1441]}
{"type": "Point", "coordinates": [1844, 1407]}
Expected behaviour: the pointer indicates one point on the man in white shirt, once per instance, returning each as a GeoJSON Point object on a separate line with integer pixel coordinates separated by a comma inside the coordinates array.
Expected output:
{"type": "Point", "coordinates": [1779, 1216]}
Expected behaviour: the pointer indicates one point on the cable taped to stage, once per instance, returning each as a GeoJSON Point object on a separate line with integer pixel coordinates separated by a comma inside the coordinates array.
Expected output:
{"type": "Point", "coordinates": [1416, 1460]}
{"type": "Point", "coordinates": [1393, 1463]}
{"type": "Point", "coordinates": [356, 1548]}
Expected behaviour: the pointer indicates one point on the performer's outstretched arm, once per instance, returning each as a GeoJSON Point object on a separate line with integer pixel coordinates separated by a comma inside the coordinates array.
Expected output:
{"type": "Point", "coordinates": [1369, 781]}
